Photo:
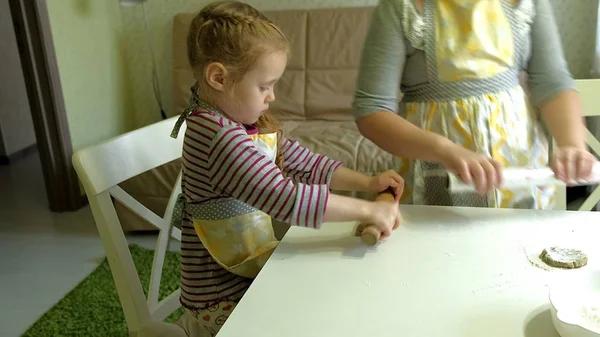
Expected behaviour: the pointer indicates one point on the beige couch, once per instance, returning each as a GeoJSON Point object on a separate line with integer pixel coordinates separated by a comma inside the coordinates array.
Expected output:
{"type": "Point", "coordinates": [313, 97]}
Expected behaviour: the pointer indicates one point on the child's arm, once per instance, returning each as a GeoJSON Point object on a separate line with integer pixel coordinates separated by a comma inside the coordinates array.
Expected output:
{"type": "Point", "coordinates": [311, 168]}
{"type": "Point", "coordinates": [239, 170]}
{"type": "Point", "coordinates": [376, 98]}
{"type": "Point", "coordinates": [553, 91]}
{"type": "Point", "coordinates": [384, 215]}
{"type": "Point", "coordinates": [345, 179]}
{"type": "Point", "coordinates": [305, 166]}
{"type": "Point", "coordinates": [571, 160]}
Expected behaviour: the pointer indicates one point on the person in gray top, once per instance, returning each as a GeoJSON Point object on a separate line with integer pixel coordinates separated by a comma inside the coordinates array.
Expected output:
{"type": "Point", "coordinates": [458, 65]}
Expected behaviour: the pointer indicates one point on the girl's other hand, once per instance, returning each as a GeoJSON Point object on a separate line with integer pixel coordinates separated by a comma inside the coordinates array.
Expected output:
{"type": "Point", "coordinates": [387, 180]}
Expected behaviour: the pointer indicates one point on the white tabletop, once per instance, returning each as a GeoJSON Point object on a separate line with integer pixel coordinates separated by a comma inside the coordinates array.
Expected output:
{"type": "Point", "coordinates": [446, 272]}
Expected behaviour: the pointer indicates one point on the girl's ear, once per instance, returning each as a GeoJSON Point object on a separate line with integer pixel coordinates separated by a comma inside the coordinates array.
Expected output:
{"type": "Point", "coordinates": [215, 75]}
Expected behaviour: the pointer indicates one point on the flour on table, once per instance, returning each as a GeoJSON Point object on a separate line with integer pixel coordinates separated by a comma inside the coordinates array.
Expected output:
{"type": "Point", "coordinates": [498, 288]}
{"type": "Point", "coordinates": [533, 256]}
{"type": "Point", "coordinates": [590, 317]}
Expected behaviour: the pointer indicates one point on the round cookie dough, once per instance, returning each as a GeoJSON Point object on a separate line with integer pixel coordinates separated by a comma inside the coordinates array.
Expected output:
{"type": "Point", "coordinates": [564, 257]}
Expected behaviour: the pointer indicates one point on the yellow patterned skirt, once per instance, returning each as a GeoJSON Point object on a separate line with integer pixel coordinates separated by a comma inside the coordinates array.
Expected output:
{"type": "Point", "coordinates": [499, 125]}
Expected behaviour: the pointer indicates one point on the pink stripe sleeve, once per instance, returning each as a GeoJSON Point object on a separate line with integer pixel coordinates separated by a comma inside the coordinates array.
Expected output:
{"type": "Point", "coordinates": [310, 205]}
{"type": "Point", "coordinates": [305, 166]}
{"type": "Point", "coordinates": [238, 170]}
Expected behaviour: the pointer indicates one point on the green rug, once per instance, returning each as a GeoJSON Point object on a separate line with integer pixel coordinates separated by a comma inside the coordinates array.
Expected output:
{"type": "Point", "coordinates": [93, 307]}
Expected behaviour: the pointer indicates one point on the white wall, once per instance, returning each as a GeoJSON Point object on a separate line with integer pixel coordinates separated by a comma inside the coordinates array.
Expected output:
{"type": "Point", "coordinates": [16, 126]}
{"type": "Point", "coordinates": [87, 36]}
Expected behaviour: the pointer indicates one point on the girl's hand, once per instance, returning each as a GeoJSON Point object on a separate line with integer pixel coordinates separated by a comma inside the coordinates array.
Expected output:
{"type": "Point", "coordinates": [384, 215]}
{"type": "Point", "coordinates": [571, 164]}
{"type": "Point", "coordinates": [484, 172]}
{"type": "Point", "coordinates": [387, 180]}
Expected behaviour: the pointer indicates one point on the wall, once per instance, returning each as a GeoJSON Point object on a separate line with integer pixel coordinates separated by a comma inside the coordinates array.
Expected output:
{"type": "Point", "coordinates": [160, 14]}
{"type": "Point", "coordinates": [93, 73]}
{"type": "Point", "coordinates": [16, 126]}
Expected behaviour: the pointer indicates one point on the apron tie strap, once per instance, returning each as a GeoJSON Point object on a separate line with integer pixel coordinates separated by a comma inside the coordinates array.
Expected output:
{"type": "Point", "coordinates": [177, 215]}
{"type": "Point", "coordinates": [194, 104]}
{"type": "Point", "coordinates": [178, 209]}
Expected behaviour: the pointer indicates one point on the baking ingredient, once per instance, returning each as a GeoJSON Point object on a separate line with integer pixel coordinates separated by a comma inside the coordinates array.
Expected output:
{"type": "Point", "coordinates": [590, 317]}
{"type": "Point", "coordinates": [535, 261]}
{"type": "Point", "coordinates": [564, 257]}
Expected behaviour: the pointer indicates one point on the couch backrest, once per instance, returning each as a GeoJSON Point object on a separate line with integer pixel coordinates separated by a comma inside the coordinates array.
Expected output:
{"type": "Point", "coordinates": [319, 81]}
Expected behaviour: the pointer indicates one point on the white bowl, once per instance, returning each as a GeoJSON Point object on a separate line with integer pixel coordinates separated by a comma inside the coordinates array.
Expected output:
{"type": "Point", "coordinates": [573, 298]}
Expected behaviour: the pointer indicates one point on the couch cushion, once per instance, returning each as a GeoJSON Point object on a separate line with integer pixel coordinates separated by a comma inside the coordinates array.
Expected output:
{"type": "Point", "coordinates": [340, 140]}
{"type": "Point", "coordinates": [334, 46]}
{"type": "Point", "coordinates": [291, 89]}
{"type": "Point", "coordinates": [329, 94]}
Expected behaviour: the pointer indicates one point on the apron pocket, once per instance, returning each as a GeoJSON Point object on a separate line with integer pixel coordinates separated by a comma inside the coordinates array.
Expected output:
{"type": "Point", "coordinates": [242, 245]}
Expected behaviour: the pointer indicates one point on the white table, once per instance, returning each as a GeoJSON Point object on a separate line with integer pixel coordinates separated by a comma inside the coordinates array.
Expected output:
{"type": "Point", "coordinates": [446, 272]}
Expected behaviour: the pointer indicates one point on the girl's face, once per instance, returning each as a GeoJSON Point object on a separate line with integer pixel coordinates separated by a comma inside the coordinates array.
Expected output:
{"type": "Point", "coordinates": [245, 101]}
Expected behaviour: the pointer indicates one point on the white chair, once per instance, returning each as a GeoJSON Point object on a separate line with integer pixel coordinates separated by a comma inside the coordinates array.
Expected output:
{"type": "Point", "coordinates": [101, 168]}
{"type": "Point", "coordinates": [589, 91]}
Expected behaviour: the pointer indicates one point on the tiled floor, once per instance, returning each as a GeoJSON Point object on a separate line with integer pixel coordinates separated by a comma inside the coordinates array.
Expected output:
{"type": "Point", "coordinates": [43, 255]}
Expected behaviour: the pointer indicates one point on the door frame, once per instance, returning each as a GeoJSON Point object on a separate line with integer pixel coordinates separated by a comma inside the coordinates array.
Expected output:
{"type": "Point", "coordinates": [38, 59]}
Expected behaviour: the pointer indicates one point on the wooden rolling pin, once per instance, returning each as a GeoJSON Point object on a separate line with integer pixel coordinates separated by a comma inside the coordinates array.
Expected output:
{"type": "Point", "coordinates": [369, 233]}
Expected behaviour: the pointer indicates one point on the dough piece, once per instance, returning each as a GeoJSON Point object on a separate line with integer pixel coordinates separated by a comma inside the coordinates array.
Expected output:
{"type": "Point", "coordinates": [564, 257]}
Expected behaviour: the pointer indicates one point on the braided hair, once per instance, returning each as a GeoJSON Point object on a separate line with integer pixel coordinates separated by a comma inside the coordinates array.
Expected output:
{"type": "Point", "coordinates": [234, 34]}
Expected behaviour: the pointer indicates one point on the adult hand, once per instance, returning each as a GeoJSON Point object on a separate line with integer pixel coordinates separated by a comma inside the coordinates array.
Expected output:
{"type": "Point", "coordinates": [387, 180]}
{"type": "Point", "coordinates": [571, 164]}
{"type": "Point", "coordinates": [485, 173]}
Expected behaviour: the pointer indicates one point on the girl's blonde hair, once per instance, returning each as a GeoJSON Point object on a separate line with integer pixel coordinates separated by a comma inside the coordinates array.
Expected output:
{"type": "Point", "coordinates": [234, 34]}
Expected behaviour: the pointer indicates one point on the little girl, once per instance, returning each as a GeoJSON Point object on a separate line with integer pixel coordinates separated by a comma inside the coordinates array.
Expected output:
{"type": "Point", "coordinates": [239, 171]}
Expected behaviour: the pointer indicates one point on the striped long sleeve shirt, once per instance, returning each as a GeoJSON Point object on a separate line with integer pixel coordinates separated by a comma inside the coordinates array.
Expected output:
{"type": "Point", "coordinates": [220, 162]}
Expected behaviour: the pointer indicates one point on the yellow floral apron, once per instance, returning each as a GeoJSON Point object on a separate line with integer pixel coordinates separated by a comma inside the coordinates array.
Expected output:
{"type": "Point", "coordinates": [470, 45]}
{"type": "Point", "coordinates": [242, 243]}
{"type": "Point", "coordinates": [474, 39]}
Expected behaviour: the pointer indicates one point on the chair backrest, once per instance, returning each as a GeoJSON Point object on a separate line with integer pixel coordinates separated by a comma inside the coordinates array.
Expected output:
{"type": "Point", "coordinates": [589, 91]}
{"type": "Point", "coordinates": [101, 169]}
